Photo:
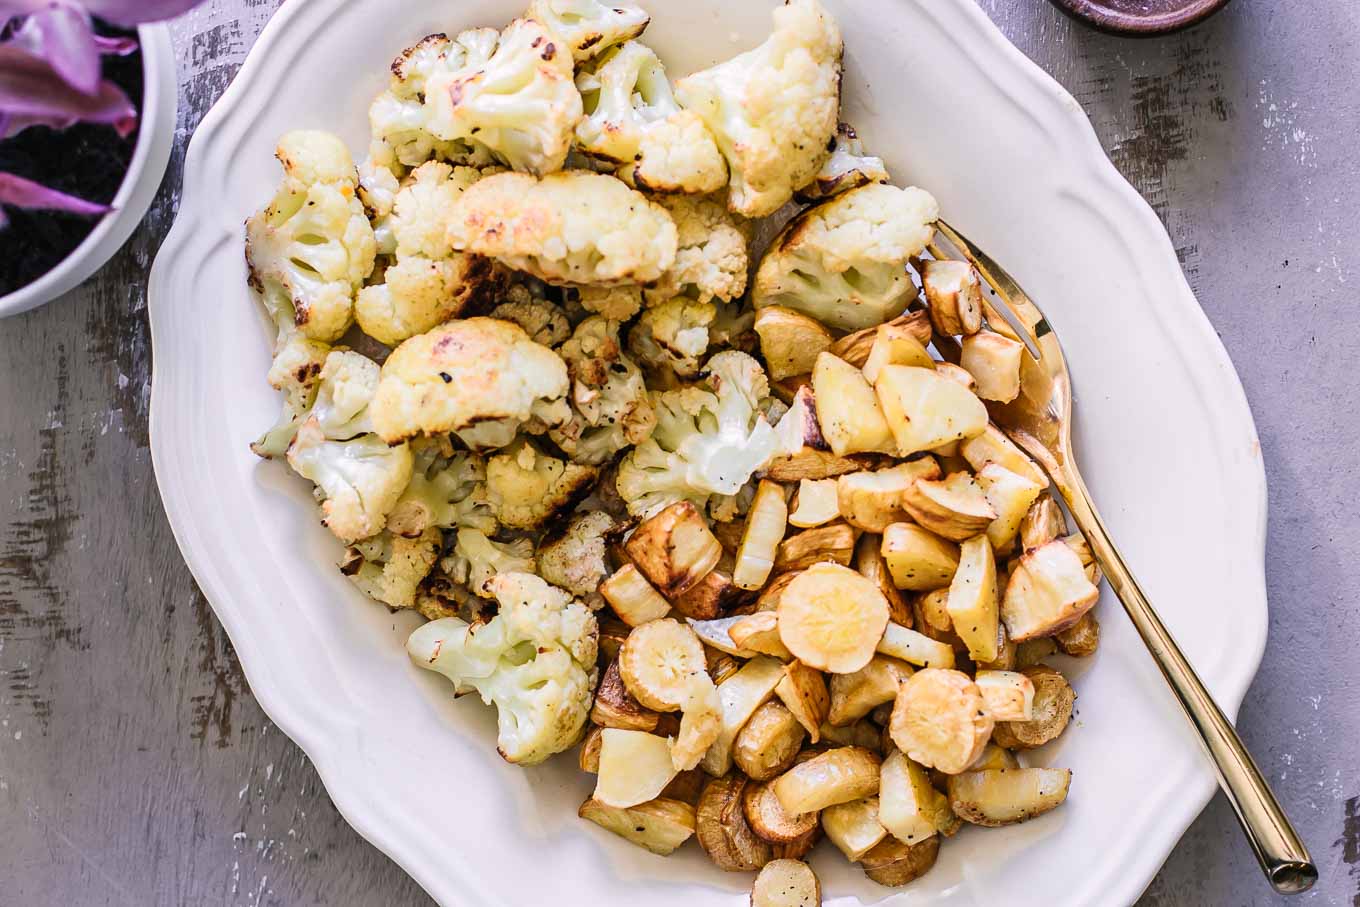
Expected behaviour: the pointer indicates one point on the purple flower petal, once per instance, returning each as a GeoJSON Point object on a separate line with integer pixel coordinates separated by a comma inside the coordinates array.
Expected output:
{"type": "Point", "coordinates": [135, 12]}
{"type": "Point", "coordinates": [22, 193]}
{"type": "Point", "coordinates": [31, 91]}
{"type": "Point", "coordinates": [64, 36]}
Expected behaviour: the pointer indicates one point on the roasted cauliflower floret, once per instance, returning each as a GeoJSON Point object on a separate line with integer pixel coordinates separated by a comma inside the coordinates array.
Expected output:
{"type": "Point", "coordinates": [633, 122]}
{"type": "Point", "coordinates": [466, 372]}
{"type": "Point", "coordinates": [390, 568]}
{"type": "Point", "coordinates": [535, 661]}
{"type": "Point", "coordinates": [615, 303]}
{"type": "Point", "coordinates": [333, 387]}
{"type": "Point", "coordinates": [708, 441]}
{"type": "Point", "coordinates": [521, 104]}
{"type": "Point", "coordinates": [773, 109]}
{"type": "Point", "coordinates": [544, 322]}
{"type": "Point", "coordinates": [429, 283]}
{"type": "Point", "coordinates": [476, 558]}
{"type": "Point", "coordinates": [399, 117]}
{"type": "Point", "coordinates": [573, 227]}
{"type": "Point", "coordinates": [588, 26]}
{"type": "Point", "coordinates": [844, 262]}
{"type": "Point", "coordinates": [673, 336]}
{"type": "Point", "coordinates": [526, 488]}
{"type": "Point", "coordinates": [447, 490]}
{"type": "Point", "coordinates": [848, 167]}
{"type": "Point", "coordinates": [311, 247]}
{"type": "Point", "coordinates": [358, 481]}
{"type": "Point", "coordinates": [295, 373]}
{"type": "Point", "coordinates": [711, 260]}
{"type": "Point", "coordinates": [611, 408]}
{"type": "Point", "coordinates": [577, 558]}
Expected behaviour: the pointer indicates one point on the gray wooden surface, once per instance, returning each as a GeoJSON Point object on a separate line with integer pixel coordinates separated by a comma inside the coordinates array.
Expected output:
{"type": "Point", "coordinates": [135, 766]}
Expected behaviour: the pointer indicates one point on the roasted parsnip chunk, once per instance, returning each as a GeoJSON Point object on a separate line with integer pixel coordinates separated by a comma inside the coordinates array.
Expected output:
{"type": "Point", "coordinates": [832, 618]}
{"type": "Point", "coordinates": [853, 827]}
{"type": "Point", "coordinates": [994, 756]}
{"type": "Point", "coordinates": [789, 341]}
{"type": "Point", "coordinates": [872, 501]}
{"type": "Point", "coordinates": [769, 820]}
{"type": "Point", "coordinates": [674, 549]}
{"type": "Point", "coordinates": [994, 360]}
{"type": "Point", "coordinates": [848, 410]}
{"type": "Point", "coordinates": [932, 618]}
{"type": "Point", "coordinates": [959, 375]}
{"type": "Point", "coordinates": [925, 409]}
{"type": "Point", "coordinates": [786, 883]}
{"type": "Point", "coordinates": [1048, 591]}
{"type": "Point", "coordinates": [612, 634]}
{"type": "Point", "coordinates": [992, 446]}
{"type": "Point", "coordinates": [939, 720]}
{"type": "Point", "coordinates": [1011, 495]}
{"type": "Point", "coordinates": [759, 632]}
{"type": "Point", "coordinates": [659, 661]}
{"type": "Point", "coordinates": [810, 463]}
{"type": "Point", "coordinates": [723, 831]}
{"type": "Point", "coordinates": [700, 724]}
{"type": "Point", "coordinates": [855, 348]}
{"type": "Point", "coordinates": [895, 345]}
{"type": "Point", "coordinates": [814, 503]}
{"type": "Point", "coordinates": [855, 695]}
{"type": "Point", "coordinates": [833, 543]}
{"type": "Point", "coordinates": [909, 805]}
{"type": "Point", "coordinates": [765, 526]}
{"type": "Point", "coordinates": [894, 863]}
{"type": "Point", "coordinates": [1032, 652]}
{"type": "Point", "coordinates": [1082, 638]}
{"type": "Point", "coordinates": [769, 742]}
{"type": "Point", "coordinates": [739, 696]}
{"type": "Point", "coordinates": [616, 707]}
{"type": "Point", "coordinates": [1009, 795]}
{"type": "Point", "coordinates": [635, 767]}
{"type": "Point", "coordinates": [660, 826]}
{"type": "Point", "coordinates": [972, 600]}
{"type": "Point", "coordinates": [717, 634]}
{"type": "Point", "coordinates": [917, 558]}
{"type": "Point", "coordinates": [1006, 651]}
{"type": "Point", "coordinates": [916, 648]}
{"type": "Point", "coordinates": [1007, 695]}
{"type": "Point", "coordinates": [709, 597]}
{"type": "Point", "coordinates": [1050, 712]}
{"type": "Point", "coordinates": [1043, 523]}
{"type": "Point", "coordinates": [954, 293]}
{"type": "Point", "coordinates": [870, 564]}
{"type": "Point", "coordinates": [955, 508]}
{"type": "Point", "coordinates": [721, 665]}
{"type": "Point", "coordinates": [633, 599]}
{"type": "Point", "coordinates": [864, 734]}
{"type": "Point", "coordinates": [803, 692]}
{"type": "Point", "coordinates": [589, 758]}
{"type": "Point", "coordinates": [835, 776]}
{"type": "Point", "coordinates": [768, 600]}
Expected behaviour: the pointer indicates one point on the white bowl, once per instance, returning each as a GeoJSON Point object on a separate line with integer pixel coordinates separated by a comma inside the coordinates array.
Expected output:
{"type": "Point", "coordinates": [1163, 429]}
{"type": "Point", "coordinates": [155, 138]}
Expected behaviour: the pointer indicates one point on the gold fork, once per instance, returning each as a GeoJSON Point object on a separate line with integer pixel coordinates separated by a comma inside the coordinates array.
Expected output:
{"type": "Point", "coordinates": [1040, 421]}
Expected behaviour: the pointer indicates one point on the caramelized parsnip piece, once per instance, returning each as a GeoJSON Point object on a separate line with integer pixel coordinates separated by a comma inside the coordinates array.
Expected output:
{"type": "Point", "coordinates": [789, 341]}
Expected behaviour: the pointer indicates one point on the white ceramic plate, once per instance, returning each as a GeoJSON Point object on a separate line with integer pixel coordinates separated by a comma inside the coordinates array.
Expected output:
{"type": "Point", "coordinates": [1164, 432]}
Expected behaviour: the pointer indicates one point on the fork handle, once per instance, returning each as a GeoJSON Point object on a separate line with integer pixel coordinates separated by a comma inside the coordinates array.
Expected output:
{"type": "Point", "coordinates": [1278, 848]}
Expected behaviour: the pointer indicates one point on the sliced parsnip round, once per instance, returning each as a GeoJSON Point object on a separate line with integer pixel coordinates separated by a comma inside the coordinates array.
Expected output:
{"type": "Point", "coordinates": [1050, 712]}
{"type": "Point", "coordinates": [832, 618]}
{"type": "Point", "coordinates": [940, 721]}
{"type": "Point", "coordinates": [835, 776]}
{"type": "Point", "coordinates": [658, 663]}
{"type": "Point", "coordinates": [723, 831]}
{"type": "Point", "coordinates": [786, 883]}
{"type": "Point", "coordinates": [634, 767]}
{"type": "Point", "coordinates": [770, 820]}
{"type": "Point", "coordinates": [894, 863]}
{"type": "Point", "coordinates": [797, 850]}
{"type": "Point", "coordinates": [1082, 638]}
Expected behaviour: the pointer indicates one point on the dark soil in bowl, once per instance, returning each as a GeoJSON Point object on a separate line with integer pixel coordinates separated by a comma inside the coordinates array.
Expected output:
{"type": "Point", "coordinates": [86, 160]}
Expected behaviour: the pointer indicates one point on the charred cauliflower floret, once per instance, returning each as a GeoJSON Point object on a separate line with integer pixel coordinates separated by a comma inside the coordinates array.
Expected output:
{"type": "Point", "coordinates": [611, 408]}
{"type": "Point", "coordinates": [773, 109]}
{"type": "Point", "coordinates": [332, 387]}
{"type": "Point", "coordinates": [429, 283]}
{"type": "Point", "coordinates": [848, 167]}
{"type": "Point", "coordinates": [673, 336]}
{"type": "Point", "coordinates": [588, 26]}
{"type": "Point", "coordinates": [844, 262]}
{"type": "Point", "coordinates": [615, 303]}
{"type": "Point", "coordinates": [358, 481]}
{"type": "Point", "coordinates": [573, 227]}
{"type": "Point", "coordinates": [476, 559]}
{"type": "Point", "coordinates": [296, 374]}
{"type": "Point", "coordinates": [535, 661]}
{"type": "Point", "coordinates": [544, 322]}
{"type": "Point", "coordinates": [577, 558]}
{"type": "Point", "coordinates": [526, 488]}
{"type": "Point", "coordinates": [632, 122]}
{"type": "Point", "coordinates": [464, 373]}
{"type": "Point", "coordinates": [310, 249]}
{"type": "Point", "coordinates": [521, 104]}
{"type": "Point", "coordinates": [447, 490]}
{"type": "Point", "coordinates": [390, 568]}
{"type": "Point", "coordinates": [708, 441]}
{"type": "Point", "coordinates": [711, 260]}
{"type": "Point", "coordinates": [399, 118]}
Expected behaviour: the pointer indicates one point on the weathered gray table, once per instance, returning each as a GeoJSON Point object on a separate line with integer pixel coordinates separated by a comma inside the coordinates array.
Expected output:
{"type": "Point", "coordinates": [136, 768]}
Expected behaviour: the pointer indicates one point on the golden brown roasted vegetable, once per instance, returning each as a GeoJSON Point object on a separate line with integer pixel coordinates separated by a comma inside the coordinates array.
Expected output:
{"type": "Point", "coordinates": [939, 720]}
{"type": "Point", "coordinates": [723, 831]}
{"type": "Point", "coordinates": [674, 549]}
{"type": "Point", "coordinates": [765, 526]}
{"type": "Point", "coordinates": [589, 758]}
{"type": "Point", "coordinates": [739, 696]}
{"type": "Point", "coordinates": [786, 883]}
{"type": "Point", "coordinates": [770, 595]}
{"type": "Point", "coordinates": [615, 706]}
{"type": "Point", "coordinates": [835, 776]}
{"type": "Point", "coordinates": [895, 344]}
{"type": "Point", "coordinates": [635, 768]}
{"type": "Point", "coordinates": [1009, 795]}
{"type": "Point", "coordinates": [972, 601]}
{"type": "Point", "coordinates": [709, 597]}
{"type": "Point", "coordinates": [918, 559]}
{"type": "Point", "coordinates": [873, 501]}
{"type": "Point", "coordinates": [759, 632]}
{"type": "Point", "coordinates": [659, 662]}
{"type": "Point", "coordinates": [909, 805]}
{"type": "Point", "coordinates": [814, 503]}
{"type": "Point", "coordinates": [803, 692]}
{"type": "Point", "coordinates": [770, 821]}
{"type": "Point", "coordinates": [1048, 591]}
{"type": "Point", "coordinates": [855, 348]}
{"type": "Point", "coordinates": [1043, 523]}
{"type": "Point", "coordinates": [769, 742]}
{"type": "Point", "coordinates": [954, 294]}
{"type": "Point", "coordinates": [853, 827]}
{"type": "Point", "coordinates": [1007, 695]}
{"type": "Point", "coordinates": [925, 409]}
{"type": "Point", "coordinates": [789, 341]}
{"type": "Point", "coordinates": [994, 361]}
{"type": "Point", "coordinates": [992, 446]}
{"type": "Point", "coordinates": [1082, 638]}
{"type": "Point", "coordinates": [632, 597]}
{"type": "Point", "coordinates": [893, 863]}
{"type": "Point", "coordinates": [855, 695]}
{"type": "Point", "coordinates": [660, 826]}
{"type": "Point", "coordinates": [832, 618]}
{"type": "Point", "coordinates": [1051, 711]}
{"type": "Point", "coordinates": [848, 410]}
{"type": "Point", "coordinates": [870, 564]}
{"type": "Point", "coordinates": [833, 543]}
{"type": "Point", "coordinates": [955, 508]}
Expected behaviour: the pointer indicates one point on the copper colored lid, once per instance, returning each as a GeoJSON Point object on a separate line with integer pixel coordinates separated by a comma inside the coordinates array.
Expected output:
{"type": "Point", "coordinates": [1140, 17]}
